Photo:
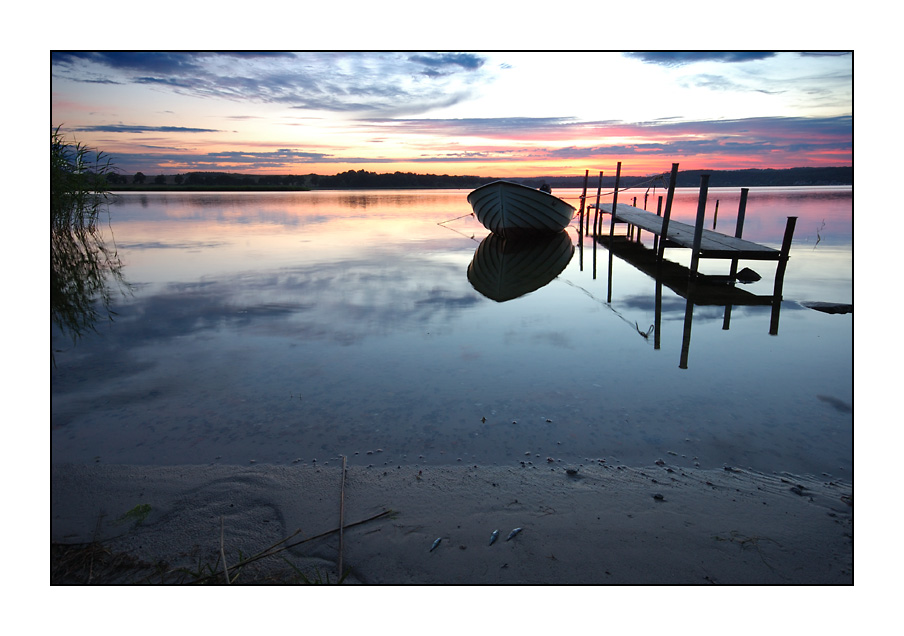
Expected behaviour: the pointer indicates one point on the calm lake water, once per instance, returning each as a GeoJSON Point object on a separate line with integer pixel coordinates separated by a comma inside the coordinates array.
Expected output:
{"type": "Point", "coordinates": [298, 327]}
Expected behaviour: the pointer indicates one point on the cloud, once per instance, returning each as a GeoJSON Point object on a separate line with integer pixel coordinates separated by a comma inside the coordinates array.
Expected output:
{"type": "Point", "coordinates": [381, 83]}
{"type": "Point", "coordinates": [487, 127]}
{"type": "Point", "coordinates": [437, 62]}
{"type": "Point", "coordinates": [722, 83]}
{"type": "Point", "coordinates": [123, 128]}
{"type": "Point", "coordinates": [564, 128]}
{"type": "Point", "coordinates": [546, 139]}
{"type": "Point", "coordinates": [286, 159]}
{"type": "Point", "coordinates": [681, 58]}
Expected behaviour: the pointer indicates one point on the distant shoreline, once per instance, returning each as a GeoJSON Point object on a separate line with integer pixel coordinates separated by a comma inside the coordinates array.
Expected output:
{"type": "Point", "coordinates": [167, 188]}
{"type": "Point", "coordinates": [154, 187]}
{"type": "Point", "coordinates": [363, 180]}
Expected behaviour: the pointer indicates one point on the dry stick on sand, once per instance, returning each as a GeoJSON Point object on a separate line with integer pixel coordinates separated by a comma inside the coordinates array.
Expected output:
{"type": "Point", "coordinates": [274, 550]}
{"type": "Point", "coordinates": [223, 553]}
{"type": "Point", "coordinates": [341, 515]}
{"type": "Point", "coordinates": [100, 517]}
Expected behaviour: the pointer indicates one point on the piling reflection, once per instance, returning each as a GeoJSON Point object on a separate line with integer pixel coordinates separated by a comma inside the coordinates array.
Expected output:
{"type": "Point", "coordinates": [697, 290]}
{"type": "Point", "coordinates": [505, 268]}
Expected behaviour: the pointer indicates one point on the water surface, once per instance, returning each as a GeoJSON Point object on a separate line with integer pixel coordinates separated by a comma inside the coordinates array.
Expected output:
{"type": "Point", "coordinates": [297, 327]}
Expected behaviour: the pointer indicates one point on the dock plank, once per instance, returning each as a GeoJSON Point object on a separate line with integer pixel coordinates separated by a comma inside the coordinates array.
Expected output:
{"type": "Point", "coordinates": [712, 244]}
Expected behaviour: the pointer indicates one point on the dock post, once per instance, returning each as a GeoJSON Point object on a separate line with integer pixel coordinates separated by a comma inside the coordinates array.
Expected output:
{"type": "Point", "coordinates": [698, 226]}
{"type": "Point", "coordinates": [594, 255]}
{"type": "Point", "coordinates": [657, 320]}
{"type": "Point", "coordinates": [656, 236]}
{"type": "Point", "coordinates": [631, 227]}
{"type": "Point", "coordinates": [670, 196]}
{"type": "Point", "coordinates": [716, 214]}
{"type": "Point", "coordinates": [614, 201]}
{"type": "Point", "coordinates": [780, 274]}
{"type": "Point", "coordinates": [739, 226]}
{"type": "Point", "coordinates": [583, 200]}
{"type": "Point", "coordinates": [609, 281]}
{"type": "Point", "coordinates": [597, 214]}
{"type": "Point", "coordinates": [686, 332]}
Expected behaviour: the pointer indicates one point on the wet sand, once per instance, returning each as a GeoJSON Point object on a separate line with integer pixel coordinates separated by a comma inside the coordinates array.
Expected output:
{"type": "Point", "coordinates": [605, 525]}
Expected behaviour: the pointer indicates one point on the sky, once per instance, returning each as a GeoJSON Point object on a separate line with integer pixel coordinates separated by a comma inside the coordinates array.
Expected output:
{"type": "Point", "coordinates": [501, 114]}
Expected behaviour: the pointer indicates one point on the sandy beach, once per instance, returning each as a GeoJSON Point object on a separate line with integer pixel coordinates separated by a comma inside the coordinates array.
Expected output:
{"type": "Point", "coordinates": [607, 524]}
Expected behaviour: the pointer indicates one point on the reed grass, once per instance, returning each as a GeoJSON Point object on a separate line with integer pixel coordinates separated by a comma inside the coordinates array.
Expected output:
{"type": "Point", "coordinates": [82, 260]}
{"type": "Point", "coordinates": [78, 181]}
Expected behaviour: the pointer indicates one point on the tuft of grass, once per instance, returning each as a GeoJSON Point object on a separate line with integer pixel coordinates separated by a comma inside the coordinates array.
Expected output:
{"type": "Point", "coordinates": [137, 514]}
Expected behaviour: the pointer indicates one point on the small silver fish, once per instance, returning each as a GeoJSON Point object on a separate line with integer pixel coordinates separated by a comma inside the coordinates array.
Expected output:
{"type": "Point", "coordinates": [494, 536]}
{"type": "Point", "coordinates": [513, 533]}
{"type": "Point", "coordinates": [435, 544]}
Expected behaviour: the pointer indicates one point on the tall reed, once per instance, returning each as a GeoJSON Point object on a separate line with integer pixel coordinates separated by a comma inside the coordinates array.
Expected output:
{"type": "Point", "coordinates": [78, 182]}
{"type": "Point", "coordinates": [81, 261]}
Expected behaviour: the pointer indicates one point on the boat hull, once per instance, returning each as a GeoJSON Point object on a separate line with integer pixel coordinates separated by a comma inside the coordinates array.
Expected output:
{"type": "Point", "coordinates": [507, 209]}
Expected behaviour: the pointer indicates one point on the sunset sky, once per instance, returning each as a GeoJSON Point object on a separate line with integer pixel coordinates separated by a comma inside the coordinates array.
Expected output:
{"type": "Point", "coordinates": [487, 114]}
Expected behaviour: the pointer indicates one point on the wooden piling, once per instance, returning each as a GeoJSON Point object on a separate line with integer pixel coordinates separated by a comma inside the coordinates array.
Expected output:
{"type": "Point", "coordinates": [583, 200]}
{"type": "Point", "coordinates": [657, 320]}
{"type": "Point", "coordinates": [630, 226]}
{"type": "Point", "coordinates": [656, 236]}
{"type": "Point", "coordinates": [670, 196]}
{"type": "Point", "coordinates": [698, 225]}
{"type": "Point", "coordinates": [609, 284]}
{"type": "Point", "coordinates": [716, 214]}
{"type": "Point", "coordinates": [686, 332]}
{"type": "Point", "coordinates": [596, 215]}
{"type": "Point", "coordinates": [739, 226]}
{"type": "Point", "coordinates": [615, 200]}
{"type": "Point", "coordinates": [780, 273]}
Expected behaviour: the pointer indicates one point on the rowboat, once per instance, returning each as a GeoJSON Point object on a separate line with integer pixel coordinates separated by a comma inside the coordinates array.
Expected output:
{"type": "Point", "coordinates": [507, 208]}
{"type": "Point", "coordinates": [506, 268]}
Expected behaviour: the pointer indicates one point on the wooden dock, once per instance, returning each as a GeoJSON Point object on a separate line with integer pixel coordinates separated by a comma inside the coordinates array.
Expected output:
{"type": "Point", "coordinates": [712, 244]}
{"type": "Point", "coordinates": [703, 243]}
{"type": "Point", "coordinates": [699, 290]}
{"type": "Point", "coordinates": [688, 282]}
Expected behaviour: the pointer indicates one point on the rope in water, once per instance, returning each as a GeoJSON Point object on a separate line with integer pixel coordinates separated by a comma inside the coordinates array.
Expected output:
{"type": "Point", "coordinates": [645, 334]}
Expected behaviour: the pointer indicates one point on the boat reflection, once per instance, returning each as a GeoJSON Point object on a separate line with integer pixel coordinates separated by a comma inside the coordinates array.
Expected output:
{"type": "Point", "coordinates": [505, 268]}
{"type": "Point", "coordinates": [699, 290]}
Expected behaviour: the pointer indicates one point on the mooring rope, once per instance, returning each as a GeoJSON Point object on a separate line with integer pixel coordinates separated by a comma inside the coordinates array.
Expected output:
{"type": "Point", "coordinates": [659, 177]}
{"type": "Point", "coordinates": [459, 231]}
{"type": "Point", "coordinates": [645, 335]}
{"type": "Point", "coordinates": [456, 218]}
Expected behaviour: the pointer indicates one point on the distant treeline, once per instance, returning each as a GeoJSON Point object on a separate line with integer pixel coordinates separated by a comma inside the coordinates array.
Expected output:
{"type": "Point", "coordinates": [363, 179]}
{"type": "Point", "coordinates": [345, 180]}
{"type": "Point", "coordinates": [718, 178]}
